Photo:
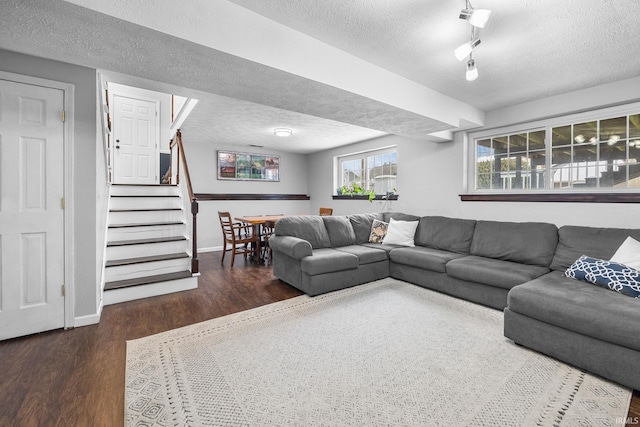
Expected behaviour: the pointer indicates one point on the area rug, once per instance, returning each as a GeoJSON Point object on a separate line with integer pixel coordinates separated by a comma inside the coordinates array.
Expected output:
{"type": "Point", "coordinates": [386, 353]}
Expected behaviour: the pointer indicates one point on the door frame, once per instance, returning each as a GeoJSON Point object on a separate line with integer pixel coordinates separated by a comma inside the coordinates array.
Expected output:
{"type": "Point", "coordinates": [133, 95]}
{"type": "Point", "coordinates": [67, 142]}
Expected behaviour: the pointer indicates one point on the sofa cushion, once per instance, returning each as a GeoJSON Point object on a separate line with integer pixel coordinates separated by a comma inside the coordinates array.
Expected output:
{"type": "Point", "coordinates": [386, 248]}
{"type": "Point", "coordinates": [447, 234]}
{"type": "Point", "coordinates": [493, 272]}
{"type": "Point", "coordinates": [399, 216]}
{"type": "Point", "coordinates": [575, 241]}
{"type": "Point", "coordinates": [340, 230]}
{"type": "Point", "coordinates": [310, 228]}
{"type": "Point", "coordinates": [365, 254]}
{"type": "Point", "coordinates": [579, 307]}
{"type": "Point", "coordinates": [400, 233]}
{"type": "Point", "coordinates": [361, 224]}
{"type": "Point", "coordinates": [425, 258]}
{"type": "Point", "coordinates": [523, 242]}
{"type": "Point", "coordinates": [328, 260]}
{"type": "Point", "coordinates": [607, 274]}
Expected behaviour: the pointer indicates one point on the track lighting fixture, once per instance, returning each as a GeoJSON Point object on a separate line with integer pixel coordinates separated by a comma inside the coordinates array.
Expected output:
{"type": "Point", "coordinates": [478, 19]}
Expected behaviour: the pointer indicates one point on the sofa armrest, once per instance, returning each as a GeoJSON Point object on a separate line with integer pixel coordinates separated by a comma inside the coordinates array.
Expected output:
{"type": "Point", "coordinates": [291, 246]}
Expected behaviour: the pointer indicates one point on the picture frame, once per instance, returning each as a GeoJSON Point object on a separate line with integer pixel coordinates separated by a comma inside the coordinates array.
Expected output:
{"type": "Point", "coordinates": [242, 166]}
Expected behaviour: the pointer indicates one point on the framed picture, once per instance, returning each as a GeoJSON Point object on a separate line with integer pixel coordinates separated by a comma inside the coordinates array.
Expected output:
{"type": "Point", "coordinates": [248, 167]}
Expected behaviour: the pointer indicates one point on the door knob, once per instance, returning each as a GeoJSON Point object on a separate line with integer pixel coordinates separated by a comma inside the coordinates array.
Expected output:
{"type": "Point", "coordinates": [117, 147]}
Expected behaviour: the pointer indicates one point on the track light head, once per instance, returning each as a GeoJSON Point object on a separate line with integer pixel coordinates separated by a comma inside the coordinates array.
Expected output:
{"type": "Point", "coordinates": [476, 17]}
{"type": "Point", "coordinates": [465, 50]}
{"type": "Point", "coordinates": [472, 70]}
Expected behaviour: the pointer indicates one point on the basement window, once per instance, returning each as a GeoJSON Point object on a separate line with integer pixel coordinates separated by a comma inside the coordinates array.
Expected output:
{"type": "Point", "coordinates": [371, 170]}
{"type": "Point", "coordinates": [589, 152]}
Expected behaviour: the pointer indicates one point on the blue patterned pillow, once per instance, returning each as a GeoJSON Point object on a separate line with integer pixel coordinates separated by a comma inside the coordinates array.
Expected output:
{"type": "Point", "coordinates": [608, 274]}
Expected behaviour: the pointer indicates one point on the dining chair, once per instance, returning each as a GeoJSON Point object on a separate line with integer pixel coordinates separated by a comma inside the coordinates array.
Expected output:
{"type": "Point", "coordinates": [239, 236]}
{"type": "Point", "coordinates": [268, 227]}
{"type": "Point", "coordinates": [326, 211]}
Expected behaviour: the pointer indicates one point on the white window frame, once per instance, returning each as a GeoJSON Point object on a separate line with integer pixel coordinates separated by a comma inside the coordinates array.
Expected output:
{"type": "Point", "coordinates": [547, 125]}
{"type": "Point", "coordinates": [339, 160]}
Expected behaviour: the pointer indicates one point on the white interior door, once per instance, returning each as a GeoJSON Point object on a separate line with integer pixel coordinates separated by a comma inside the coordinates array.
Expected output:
{"type": "Point", "coordinates": [31, 212]}
{"type": "Point", "coordinates": [135, 147]}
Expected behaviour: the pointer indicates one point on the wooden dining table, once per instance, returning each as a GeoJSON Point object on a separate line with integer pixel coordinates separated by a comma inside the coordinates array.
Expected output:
{"type": "Point", "coordinates": [257, 221]}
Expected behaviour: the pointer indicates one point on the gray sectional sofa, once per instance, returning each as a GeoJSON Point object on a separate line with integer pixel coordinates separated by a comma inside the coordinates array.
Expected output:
{"type": "Point", "coordinates": [517, 267]}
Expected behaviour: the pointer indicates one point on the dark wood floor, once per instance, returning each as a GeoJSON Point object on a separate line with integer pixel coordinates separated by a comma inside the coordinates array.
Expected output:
{"type": "Point", "coordinates": [76, 377]}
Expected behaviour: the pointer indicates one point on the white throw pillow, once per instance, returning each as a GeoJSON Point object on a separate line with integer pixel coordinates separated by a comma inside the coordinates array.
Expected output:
{"type": "Point", "coordinates": [400, 233]}
{"type": "Point", "coordinates": [628, 253]}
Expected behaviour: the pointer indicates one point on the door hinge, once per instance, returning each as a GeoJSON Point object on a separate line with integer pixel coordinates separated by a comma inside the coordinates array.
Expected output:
{"type": "Point", "coordinates": [64, 290]}
{"type": "Point", "coordinates": [63, 116]}
{"type": "Point", "coordinates": [62, 203]}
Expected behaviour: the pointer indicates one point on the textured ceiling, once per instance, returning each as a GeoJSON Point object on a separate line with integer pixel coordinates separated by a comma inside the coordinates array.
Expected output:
{"type": "Point", "coordinates": [530, 49]}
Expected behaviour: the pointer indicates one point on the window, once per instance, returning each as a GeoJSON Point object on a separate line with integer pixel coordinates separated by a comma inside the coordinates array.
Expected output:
{"type": "Point", "coordinates": [511, 162]}
{"type": "Point", "coordinates": [372, 170]}
{"type": "Point", "coordinates": [596, 151]}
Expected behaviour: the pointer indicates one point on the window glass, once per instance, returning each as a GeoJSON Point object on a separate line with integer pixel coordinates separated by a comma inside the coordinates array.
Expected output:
{"type": "Point", "coordinates": [506, 162]}
{"type": "Point", "coordinates": [561, 136]}
{"type": "Point", "coordinates": [374, 170]}
{"type": "Point", "coordinates": [585, 133]}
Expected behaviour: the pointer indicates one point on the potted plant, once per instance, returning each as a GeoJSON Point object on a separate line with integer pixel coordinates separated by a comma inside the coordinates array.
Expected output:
{"type": "Point", "coordinates": [355, 189]}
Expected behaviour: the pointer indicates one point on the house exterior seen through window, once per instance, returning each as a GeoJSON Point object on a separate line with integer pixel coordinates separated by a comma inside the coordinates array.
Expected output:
{"type": "Point", "coordinates": [599, 153]}
{"type": "Point", "coordinates": [372, 170]}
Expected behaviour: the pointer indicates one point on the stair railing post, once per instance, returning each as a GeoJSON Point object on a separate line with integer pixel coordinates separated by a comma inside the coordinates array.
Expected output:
{"type": "Point", "coordinates": [194, 240]}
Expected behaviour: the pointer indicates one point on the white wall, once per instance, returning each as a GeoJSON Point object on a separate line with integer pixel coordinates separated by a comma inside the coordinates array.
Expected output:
{"type": "Point", "coordinates": [202, 161]}
{"type": "Point", "coordinates": [431, 176]}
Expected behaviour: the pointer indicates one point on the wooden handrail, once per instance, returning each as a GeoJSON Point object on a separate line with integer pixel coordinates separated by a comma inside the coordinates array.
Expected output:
{"type": "Point", "coordinates": [184, 164]}
{"type": "Point", "coordinates": [182, 159]}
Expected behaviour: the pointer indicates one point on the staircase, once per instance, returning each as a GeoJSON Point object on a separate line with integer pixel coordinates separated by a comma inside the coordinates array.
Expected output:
{"type": "Point", "coordinates": [147, 250]}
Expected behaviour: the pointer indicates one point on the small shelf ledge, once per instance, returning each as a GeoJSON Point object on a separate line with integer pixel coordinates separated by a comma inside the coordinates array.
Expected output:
{"type": "Point", "coordinates": [219, 196]}
{"type": "Point", "coordinates": [363, 197]}
{"type": "Point", "coordinates": [554, 197]}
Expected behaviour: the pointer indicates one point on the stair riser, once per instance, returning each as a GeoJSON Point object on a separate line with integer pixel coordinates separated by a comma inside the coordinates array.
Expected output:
{"type": "Point", "coordinates": [148, 249]}
{"type": "Point", "coordinates": [146, 203]}
{"type": "Point", "coordinates": [147, 232]}
{"type": "Point", "coordinates": [145, 217]}
{"type": "Point", "coordinates": [145, 291]}
{"type": "Point", "coordinates": [144, 190]}
{"type": "Point", "coordinates": [133, 271]}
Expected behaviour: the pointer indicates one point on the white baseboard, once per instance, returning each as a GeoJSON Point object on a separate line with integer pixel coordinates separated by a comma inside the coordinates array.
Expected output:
{"type": "Point", "coordinates": [210, 249]}
{"type": "Point", "coordinates": [90, 319]}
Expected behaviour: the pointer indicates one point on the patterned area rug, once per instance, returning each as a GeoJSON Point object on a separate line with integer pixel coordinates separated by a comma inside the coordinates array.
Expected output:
{"type": "Point", "coordinates": [382, 354]}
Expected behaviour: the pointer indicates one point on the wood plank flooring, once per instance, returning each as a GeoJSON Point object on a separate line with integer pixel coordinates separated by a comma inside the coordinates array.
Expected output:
{"type": "Point", "coordinates": [76, 377]}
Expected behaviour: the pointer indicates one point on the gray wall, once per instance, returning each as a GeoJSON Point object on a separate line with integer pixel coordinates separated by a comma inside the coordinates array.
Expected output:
{"type": "Point", "coordinates": [84, 185]}
{"type": "Point", "coordinates": [432, 176]}
{"type": "Point", "coordinates": [202, 160]}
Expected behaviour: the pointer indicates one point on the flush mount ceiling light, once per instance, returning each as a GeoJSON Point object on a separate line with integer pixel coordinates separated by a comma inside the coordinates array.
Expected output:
{"type": "Point", "coordinates": [282, 132]}
{"type": "Point", "coordinates": [478, 19]}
